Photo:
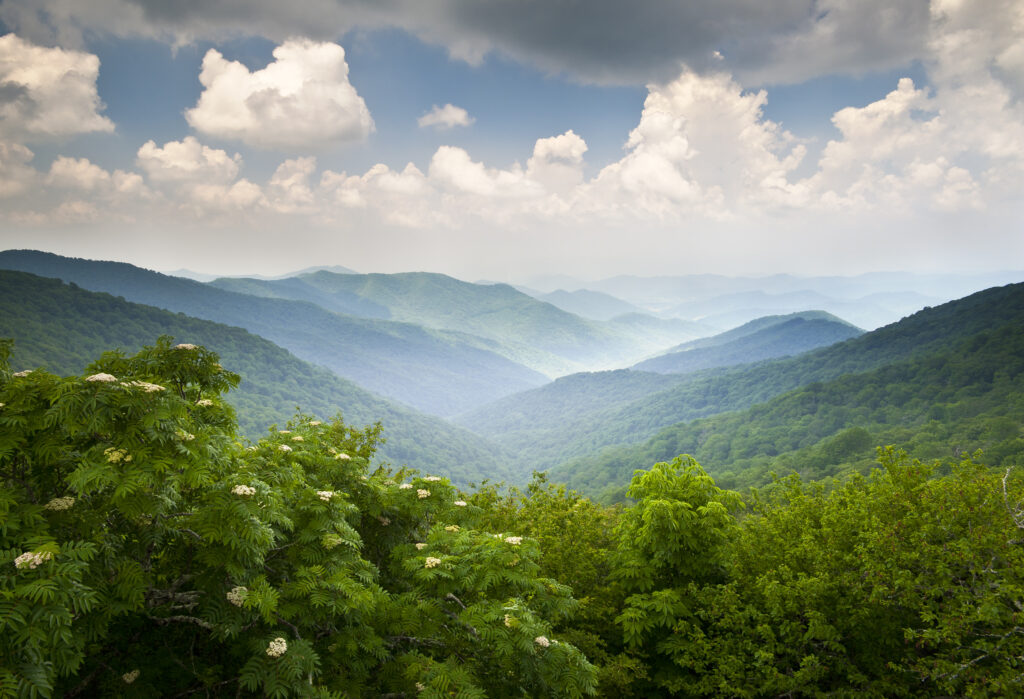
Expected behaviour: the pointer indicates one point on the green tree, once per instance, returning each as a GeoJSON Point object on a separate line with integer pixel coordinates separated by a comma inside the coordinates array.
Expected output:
{"type": "Point", "coordinates": [145, 550]}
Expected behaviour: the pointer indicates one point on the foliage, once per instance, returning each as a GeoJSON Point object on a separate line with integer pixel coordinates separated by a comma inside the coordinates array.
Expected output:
{"type": "Point", "coordinates": [146, 550]}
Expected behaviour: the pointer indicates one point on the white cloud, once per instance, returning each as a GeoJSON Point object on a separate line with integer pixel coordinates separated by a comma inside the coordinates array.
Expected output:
{"type": "Point", "coordinates": [16, 175]}
{"type": "Point", "coordinates": [77, 173]}
{"type": "Point", "coordinates": [187, 161]}
{"type": "Point", "coordinates": [302, 100]}
{"type": "Point", "coordinates": [47, 92]}
{"type": "Point", "coordinates": [445, 117]}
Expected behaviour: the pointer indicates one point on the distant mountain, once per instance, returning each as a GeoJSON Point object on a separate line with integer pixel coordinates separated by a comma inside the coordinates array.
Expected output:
{"type": "Point", "coordinates": [543, 437]}
{"type": "Point", "coordinates": [440, 372]}
{"type": "Point", "coordinates": [203, 277]}
{"type": "Point", "coordinates": [955, 384]}
{"type": "Point", "coordinates": [764, 338]}
{"type": "Point", "coordinates": [63, 328]}
{"type": "Point", "coordinates": [519, 327]}
{"type": "Point", "coordinates": [589, 304]}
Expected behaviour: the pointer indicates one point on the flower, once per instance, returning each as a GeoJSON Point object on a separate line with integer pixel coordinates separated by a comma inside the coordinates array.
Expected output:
{"type": "Point", "coordinates": [284, 447]}
{"type": "Point", "coordinates": [315, 423]}
{"type": "Point", "coordinates": [509, 620]}
{"type": "Point", "coordinates": [284, 431]}
{"type": "Point", "coordinates": [542, 641]}
{"type": "Point", "coordinates": [237, 595]}
{"type": "Point", "coordinates": [420, 546]}
{"type": "Point", "coordinates": [59, 504]}
{"type": "Point", "coordinates": [420, 687]}
{"type": "Point", "coordinates": [243, 490]}
{"type": "Point", "coordinates": [421, 493]}
{"type": "Point", "coordinates": [514, 540]}
{"type": "Point", "coordinates": [459, 503]}
{"type": "Point", "coordinates": [30, 559]}
{"type": "Point", "coordinates": [452, 528]}
{"type": "Point", "coordinates": [184, 346]}
{"type": "Point", "coordinates": [343, 457]}
{"type": "Point", "coordinates": [116, 456]}
{"type": "Point", "coordinates": [405, 486]}
{"type": "Point", "coordinates": [185, 436]}
{"type": "Point", "coordinates": [277, 647]}
{"type": "Point", "coordinates": [144, 385]}
{"type": "Point", "coordinates": [204, 403]}
{"type": "Point", "coordinates": [432, 479]}
{"type": "Point", "coordinates": [431, 562]}
{"type": "Point", "coordinates": [26, 372]}
{"type": "Point", "coordinates": [298, 438]}
{"type": "Point", "coordinates": [105, 378]}
{"type": "Point", "coordinates": [130, 677]}
{"type": "Point", "coordinates": [384, 521]}
{"type": "Point", "coordinates": [325, 495]}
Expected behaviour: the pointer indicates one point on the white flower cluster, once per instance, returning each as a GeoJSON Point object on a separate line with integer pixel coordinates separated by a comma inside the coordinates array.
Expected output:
{"type": "Point", "coordinates": [420, 546]}
{"type": "Point", "coordinates": [184, 346]}
{"type": "Point", "coordinates": [31, 559]}
{"type": "Point", "coordinates": [452, 528]}
{"type": "Point", "coordinates": [432, 479]}
{"type": "Point", "coordinates": [60, 504]}
{"type": "Point", "coordinates": [102, 378]}
{"type": "Point", "coordinates": [237, 595]}
{"type": "Point", "coordinates": [384, 521]}
{"type": "Point", "coordinates": [342, 457]}
{"type": "Point", "coordinates": [325, 495]}
{"type": "Point", "coordinates": [26, 372]}
{"type": "Point", "coordinates": [116, 456]}
{"type": "Point", "coordinates": [459, 503]}
{"type": "Point", "coordinates": [542, 641]}
{"type": "Point", "coordinates": [514, 540]}
{"type": "Point", "coordinates": [204, 403]}
{"type": "Point", "coordinates": [284, 447]}
{"type": "Point", "coordinates": [243, 490]}
{"type": "Point", "coordinates": [315, 423]}
{"type": "Point", "coordinates": [431, 562]}
{"type": "Point", "coordinates": [144, 385]}
{"type": "Point", "coordinates": [277, 647]}
{"type": "Point", "coordinates": [185, 436]}
{"type": "Point", "coordinates": [420, 687]}
{"type": "Point", "coordinates": [421, 493]}
{"type": "Point", "coordinates": [509, 620]}
{"type": "Point", "coordinates": [405, 486]}
{"type": "Point", "coordinates": [130, 677]}
{"type": "Point", "coordinates": [284, 431]}
{"type": "Point", "coordinates": [298, 438]}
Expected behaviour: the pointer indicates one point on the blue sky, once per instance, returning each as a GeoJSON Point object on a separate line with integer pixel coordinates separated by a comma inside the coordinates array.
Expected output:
{"type": "Point", "coordinates": [234, 137]}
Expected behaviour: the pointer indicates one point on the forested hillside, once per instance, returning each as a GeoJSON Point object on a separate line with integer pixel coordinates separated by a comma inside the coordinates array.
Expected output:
{"type": "Point", "coordinates": [547, 435]}
{"type": "Point", "coordinates": [965, 394]}
{"type": "Point", "coordinates": [787, 336]}
{"type": "Point", "coordinates": [64, 328]}
{"type": "Point", "coordinates": [440, 372]}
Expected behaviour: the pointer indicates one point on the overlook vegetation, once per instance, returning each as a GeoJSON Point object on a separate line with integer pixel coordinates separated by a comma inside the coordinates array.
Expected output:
{"type": "Point", "coordinates": [146, 549]}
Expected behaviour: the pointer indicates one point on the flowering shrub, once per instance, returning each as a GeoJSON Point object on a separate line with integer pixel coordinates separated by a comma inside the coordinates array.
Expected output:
{"type": "Point", "coordinates": [144, 543]}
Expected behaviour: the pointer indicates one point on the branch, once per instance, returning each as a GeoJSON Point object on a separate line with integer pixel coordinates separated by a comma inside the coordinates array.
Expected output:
{"type": "Point", "coordinates": [292, 626]}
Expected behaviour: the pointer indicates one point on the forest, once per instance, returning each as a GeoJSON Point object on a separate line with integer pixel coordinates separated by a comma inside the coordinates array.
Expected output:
{"type": "Point", "coordinates": [151, 548]}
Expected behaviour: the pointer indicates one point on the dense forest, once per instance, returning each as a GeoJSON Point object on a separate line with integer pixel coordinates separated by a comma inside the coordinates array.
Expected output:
{"type": "Point", "coordinates": [150, 549]}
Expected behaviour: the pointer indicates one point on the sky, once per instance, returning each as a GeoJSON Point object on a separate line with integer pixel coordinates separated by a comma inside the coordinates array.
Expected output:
{"type": "Point", "coordinates": [502, 139]}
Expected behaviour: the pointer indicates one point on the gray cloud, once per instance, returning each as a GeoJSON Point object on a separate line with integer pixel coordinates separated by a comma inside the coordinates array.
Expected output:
{"type": "Point", "coordinates": [604, 41]}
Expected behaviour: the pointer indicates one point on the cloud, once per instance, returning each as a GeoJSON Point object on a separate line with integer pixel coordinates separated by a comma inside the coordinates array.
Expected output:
{"type": "Point", "coordinates": [445, 117]}
{"type": "Point", "coordinates": [47, 93]}
{"type": "Point", "coordinates": [603, 41]}
{"type": "Point", "coordinates": [187, 161]}
{"type": "Point", "coordinates": [302, 100]}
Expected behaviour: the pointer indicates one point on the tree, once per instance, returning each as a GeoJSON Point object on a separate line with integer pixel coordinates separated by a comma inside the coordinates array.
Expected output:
{"type": "Point", "coordinates": [145, 549]}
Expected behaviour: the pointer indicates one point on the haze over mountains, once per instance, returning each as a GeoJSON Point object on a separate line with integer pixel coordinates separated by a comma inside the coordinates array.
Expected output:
{"type": "Point", "coordinates": [634, 361]}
